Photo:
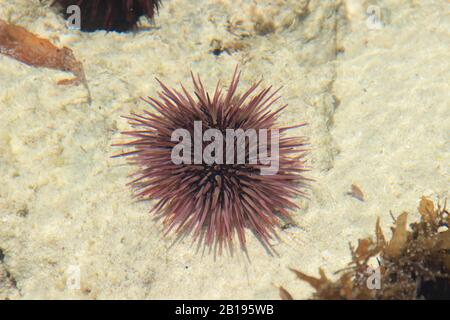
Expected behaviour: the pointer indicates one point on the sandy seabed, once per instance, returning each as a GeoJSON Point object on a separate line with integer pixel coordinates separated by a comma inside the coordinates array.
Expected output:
{"type": "Point", "coordinates": [376, 97]}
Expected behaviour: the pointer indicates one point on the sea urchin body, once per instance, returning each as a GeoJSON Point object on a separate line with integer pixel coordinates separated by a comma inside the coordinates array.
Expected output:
{"type": "Point", "coordinates": [110, 15]}
{"type": "Point", "coordinates": [216, 199]}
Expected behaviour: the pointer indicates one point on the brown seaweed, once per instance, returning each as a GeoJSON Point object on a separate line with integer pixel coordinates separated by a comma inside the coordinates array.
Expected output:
{"type": "Point", "coordinates": [22, 45]}
{"type": "Point", "coordinates": [414, 264]}
{"type": "Point", "coordinates": [284, 294]}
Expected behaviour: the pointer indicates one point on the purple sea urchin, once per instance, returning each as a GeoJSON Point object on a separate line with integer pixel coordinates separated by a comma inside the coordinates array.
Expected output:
{"type": "Point", "coordinates": [110, 15]}
{"type": "Point", "coordinates": [215, 200]}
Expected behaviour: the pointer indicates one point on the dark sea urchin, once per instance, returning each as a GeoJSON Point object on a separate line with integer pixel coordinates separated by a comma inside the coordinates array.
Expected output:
{"type": "Point", "coordinates": [110, 15]}
{"type": "Point", "coordinates": [207, 196]}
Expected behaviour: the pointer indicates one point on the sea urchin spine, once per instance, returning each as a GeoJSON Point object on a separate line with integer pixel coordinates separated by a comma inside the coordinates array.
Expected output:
{"type": "Point", "coordinates": [215, 200]}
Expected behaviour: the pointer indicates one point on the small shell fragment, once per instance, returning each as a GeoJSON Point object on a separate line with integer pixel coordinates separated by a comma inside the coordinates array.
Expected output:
{"type": "Point", "coordinates": [356, 192]}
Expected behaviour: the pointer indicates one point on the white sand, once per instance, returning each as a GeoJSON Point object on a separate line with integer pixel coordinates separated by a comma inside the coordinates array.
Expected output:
{"type": "Point", "coordinates": [377, 101]}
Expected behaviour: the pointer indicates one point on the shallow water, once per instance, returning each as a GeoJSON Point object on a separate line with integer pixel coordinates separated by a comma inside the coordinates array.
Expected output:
{"type": "Point", "coordinates": [375, 97]}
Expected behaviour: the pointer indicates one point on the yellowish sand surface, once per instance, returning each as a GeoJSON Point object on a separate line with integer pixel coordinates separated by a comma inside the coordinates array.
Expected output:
{"type": "Point", "coordinates": [376, 95]}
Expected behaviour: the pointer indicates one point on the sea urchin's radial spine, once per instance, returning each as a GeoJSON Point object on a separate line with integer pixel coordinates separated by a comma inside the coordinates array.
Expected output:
{"type": "Point", "coordinates": [216, 199]}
